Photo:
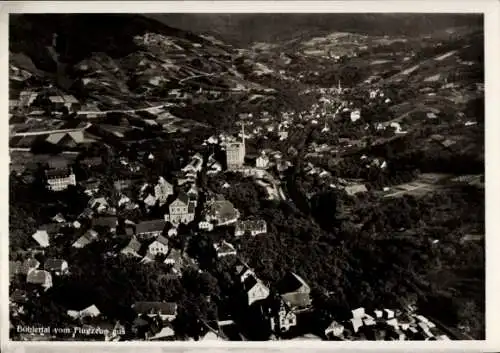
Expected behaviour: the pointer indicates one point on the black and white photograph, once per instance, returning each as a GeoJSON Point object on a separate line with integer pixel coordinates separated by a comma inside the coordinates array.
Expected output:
{"type": "Point", "coordinates": [246, 177]}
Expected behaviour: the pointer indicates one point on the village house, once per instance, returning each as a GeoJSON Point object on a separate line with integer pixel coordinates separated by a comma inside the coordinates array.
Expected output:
{"type": "Point", "coordinates": [71, 102]}
{"type": "Point", "coordinates": [70, 139]}
{"type": "Point", "coordinates": [27, 98]}
{"type": "Point", "coordinates": [294, 291]}
{"type": "Point", "coordinates": [57, 266]}
{"type": "Point", "coordinates": [181, 210]}
{"type": "Point", "coordinates": [334, 331]}
{"type": "Point", "coordinates": [253, 227]}
{"type": "Point", "coordinates": [56, 102]}
{"type": "Point", "coordinates": [107, 222]}
{"type": "Point", "coordinates": [194, 165]}
{"type": "Point", "coordinates": [167, 311]}
{"type": "Point", "coordinates": [174, 258]}
{"type": "Point", "coordinates": [59, 218]}
{"type": "Point", "coordinates": [221, 212]}
{"type": "Point", "coordinates": [224, 248]}
{"type": "Point", "coordinates": [99, 204]}
{"type": "Point", "coordinates": [40, 277]}
{"type": "Point", "coordinates": [87, 238]}
{"type": "Point", "coordinates": [132, 248]}
{"type": "Point", "coordinates": [262, 162]}
{"type": "Point", "coordinates": [150, 229]}
{"type": "Point", "coordinates": [204, 225]}
{"type": "Point", "coordinates": [28, 265]}
{"type": "Point", "coordinates": [163, 190]}
{"type": "Point", "coordinates": [284, 320]}
{"type": "Point", "coordinates": [355, 189]}
{"type": "Point", "coordinates": [253, 286]}
{"type": "Point", "coordinates": [91, 162]}
{"type": "Point", "coordinates": [159, 246]}
{"type": "Point", "coordinates": [42, 238]}
{"type": "Point", "coordinates": [60, 179]}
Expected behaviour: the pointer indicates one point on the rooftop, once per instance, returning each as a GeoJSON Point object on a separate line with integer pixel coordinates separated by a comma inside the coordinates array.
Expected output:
{"type": "Point", "coordinates": [156, 225]}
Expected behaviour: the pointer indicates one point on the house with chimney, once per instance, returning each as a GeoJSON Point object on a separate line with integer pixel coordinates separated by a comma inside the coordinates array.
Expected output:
{"type": "Point", "coordinates": [262, 161]}
{"type": "Point", "coordinates": [181, 210]}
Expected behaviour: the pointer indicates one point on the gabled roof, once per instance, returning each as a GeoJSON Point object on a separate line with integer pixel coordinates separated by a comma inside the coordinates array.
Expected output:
{"type": "Point", "coordinates": [162, 240]}
{"type": "Point", "coordinates": [174, 255]}
{"type": "Point", "coordinates": [249, 283]}
{"type": "Point", "coordinates": [54, 264]}
{"type": "Point", "coordinates": [224, 247]}
{"type": "Point", "coordinates": [42, 238]}
{"type": "Point", "coordinates": [182, 197]}
{"type": "Point", "coordinates": [92, 161]}
{"type": "Point", "coordinates": [108, 221]}
{"type": "Point", "coordinates": [156, 225]}
{"type": "Point", "coordinates": [38, 277]}
{"type": "Point", "coordinates": [165, 332]}
{"type": "Point", "coordinates": [56, 99]}
{"type": "Point", "coordinates": [133, 245]}
{"type": "Point", "coordinates": [58, 173]}
{"type": "Point", "coordinates": [58, 163]}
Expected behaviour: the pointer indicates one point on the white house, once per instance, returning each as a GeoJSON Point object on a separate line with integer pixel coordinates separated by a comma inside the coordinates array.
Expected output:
{"type": "Point", "coordinates": [159, 246]}
{"type": "Point", "coordinates": [262, 162]}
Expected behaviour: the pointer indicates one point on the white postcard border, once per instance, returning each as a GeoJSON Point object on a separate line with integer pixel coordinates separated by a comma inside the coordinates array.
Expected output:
{"type": "Point", "coordinates": [492, 173]}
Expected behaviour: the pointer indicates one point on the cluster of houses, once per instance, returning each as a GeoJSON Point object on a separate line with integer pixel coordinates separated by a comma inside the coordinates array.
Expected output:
{"type": "Point", "coordinates": [44, 98]}
{"type": "Point", "coordinates": [37, 275]}
{"type": "Point", "coordinates": [385, 324]}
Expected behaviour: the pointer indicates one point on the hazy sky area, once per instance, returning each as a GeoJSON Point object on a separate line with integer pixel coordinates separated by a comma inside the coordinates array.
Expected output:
{"type": "Point", "coordinates": [243, 29]}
